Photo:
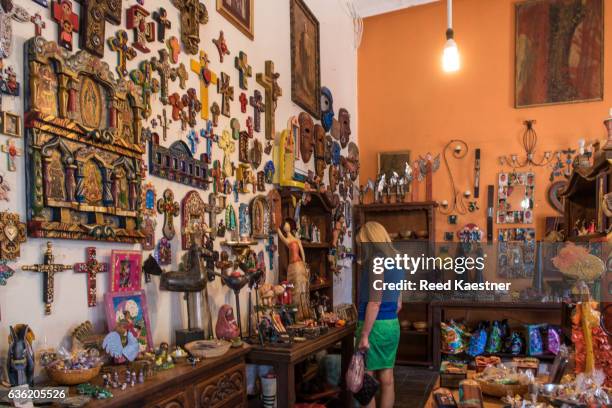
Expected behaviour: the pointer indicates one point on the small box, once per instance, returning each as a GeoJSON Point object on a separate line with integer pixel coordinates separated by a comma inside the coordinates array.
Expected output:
{"type": "Point", "coordinates": [527, 364]}
{"type": "Point", "coordinates": [483, 362]}
{"type": "Point", "coordinates": [452, 373]}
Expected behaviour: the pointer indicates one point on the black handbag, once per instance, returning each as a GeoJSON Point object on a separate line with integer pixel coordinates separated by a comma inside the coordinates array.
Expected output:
{"type": "Point", "coordinates": [368, 390]}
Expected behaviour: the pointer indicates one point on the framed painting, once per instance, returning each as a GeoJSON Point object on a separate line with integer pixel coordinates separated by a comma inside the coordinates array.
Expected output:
{"type": "Point", "coordinates": [240, 13]}
{"type": "Point", "coordinates": [389, 162]}
{"type": "Point", "coordinates": [11, 124]}
{"type": "Point", "coordinates": [126, 271]}
{"type": "Point", "coordinates": [559, 52]}
{"type": "Point", "coordinates": [128, 311]}
{"type": "Point", "coordinates": [305, 59]}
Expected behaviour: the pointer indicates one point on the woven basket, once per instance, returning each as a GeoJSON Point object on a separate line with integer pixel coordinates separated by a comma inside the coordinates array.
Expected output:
{"type": "Point", "coordinates": [72, 377]}
{"type": "Point", "coordinates": [501, 390]}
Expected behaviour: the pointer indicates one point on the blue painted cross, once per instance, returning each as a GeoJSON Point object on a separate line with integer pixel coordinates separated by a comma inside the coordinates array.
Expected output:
{"type": "Point", "coordinates": [271, 249]}
{"type": "Point", "coordinates": [210, 138]}
{"type": "Point", "coordinates": [194, 140]}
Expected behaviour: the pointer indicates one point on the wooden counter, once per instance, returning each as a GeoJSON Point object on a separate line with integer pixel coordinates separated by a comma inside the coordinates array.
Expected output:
{"type": "Point", "coordinates": [284, 359]}
{"type": "Point", "coordinates": [489, 402]}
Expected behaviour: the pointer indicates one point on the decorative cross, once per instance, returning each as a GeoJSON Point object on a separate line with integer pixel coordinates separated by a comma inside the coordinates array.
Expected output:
{"type": "Point", "coordinates": [227, 93]}
{"type": "Point", "coordinates": [217, 176]}
{"type": "Point", "coordinates": [194, 140]}
{"type": "Point", "coordinates": [269, 81]}
{"type": "Point", "coordinates": [174, 49]}
{"type": "Point", "coordinates": [213, 210]}
{"type": "Point", "coordinates": [190, 101]}
{"type": "Point", "coordinates": [181, 74]}
{"type": "Point", "coordinates": [165, 71]}
{"type": "Point", "coordinates": [207, 77]}
{"type": "Point", "coordinates": [192, 14]}
{"type": "Point", "coordinates": [94, 14]}
{"type": "Point", "coordinates": [235, 126]}
{"type": "Point", "coordinates": [256, 101]}
{"type": "Point", "coordinates": [216, 111]}
{"type": "Point", "coordinates": [144, 31]}
{"type": "Point", "coordinates": [92, 268]}
{"type": "Point", "coordinates": [11, 153]}
{"type": "Point", "coordinates": [124, 51]}
{"type": "Point", "coordinates": [210, 137]}
{"type": "Point", "coordinates": [249, 125]}
{"type": "Point", "coordinates": [170, 209]}
{"type": "Point", "coordinates": [221, 45]}
{"type": "Point", "coordinates": [244, 69]}
{"type": "Point", "coordinates": [163, 23]}
{"type": "Point", "coordinates": [244, 101]}
{"type": "Point", "coordinates": [178, 113]}
{"type": "Point", "coordinates": [68, 22]}
{"type": "Point", "coordinates": [49, 269]}
{"type": "Point", "coordinates": [165, 125]}
{"type": "Point", "coordinates": [143, 77]}
{"type": "Point", "coordinates": [271, 249]}
{"type": "Point", "coordinates": [228, 146]}
{"type": "Point", "coordinates": [39, 24]}
{"type": "Point", "coordinates": [9, 11]}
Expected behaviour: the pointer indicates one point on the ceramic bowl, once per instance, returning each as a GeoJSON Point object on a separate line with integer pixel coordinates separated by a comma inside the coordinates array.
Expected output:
{"type": "Point", "coordinates": [420, 326]}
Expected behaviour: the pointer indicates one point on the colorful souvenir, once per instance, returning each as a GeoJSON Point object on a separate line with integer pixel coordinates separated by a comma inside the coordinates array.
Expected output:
{"type": "Point", "coordinates": [165, 124]}
{"type": "Point", "coordinates": [21, 359]}
{"type": "Point", "coordinates": [255, 153]}
{"type": "Point", "coordinates": [164, 252]}
{"type": "Point", "coordinates": [249, 126]}
{"type": "Point", "coordinates": [260, 217]}
{"type": "Point", "coordinates": [178, 109]}
{"type": "Point", "coordinates": [271, 248]}
{"type": "Point", "coordinates": [226, 328]}
{"type": "Point", "coordinates": [174, 49]}
{"type": "Point", "coordinates": [515, 343]}
{"type": "Point", "coordinates": [297, 273]}
{"type": "Point", "coordinates": [208, 135]}
{"type": "Point", "coordinates": [306, 136]}
{"type": "Point", "coordinates": [82, 184]}
{"type": "Point", "coordinates": [453, 338]}
{"type": "Point", "coordinates": [207, 77]}
{"type": "Point", "coordinates": [235, 126]}
{"type": "Point", "coordinates": [286, 157]}
{"type": "Point", "coordinates": [114, 346]}
{"type": "Point", "coordinates": [124, 52]}
{"type": "Point", "coordinates": [12, 235]}
{"type": "Point", "coordinates": [165, 71]}
{"type": "Point", "coordinates": [94, 15]}
{"type": "Point", "coordinates": [228, 146]}
{"type": "Point", "coordinates": [256, 101]}
{"type": "Point", "coordinates": [341, 130]}
{"type": "Point", "coordinates": [227, 94]}
{"type": "Point", "coordinates": [170, 209]}
{"type": "Point", "coordinates": [215, 111]}
{"type": "Point", "coordinates": [144, 31]}
{"type": "Point", "coordinates": [350, 165]}
{"type": "Point", "coordinates": [269, 172]}
{"type": "Point", "coordinates": [245, 70]}
{"type": "Point", "coordinates": [245, 220]}
{"type": "Point", "coordinates": [91, 267]}
{"type": "Point", "coordinates": [553, 340]}
{"type": "Point", "coordinates": [230, 218]}
{"type": "Point", "coordinates": [148, 229]}
{"type": "Point", "coordinates": [5, 272]}
{"type": "Point", "coordinates": [261, 181]}
{"type": "Point", "coordinates": [163, 23]}
{"type": "Point", "coordinates": [192, 14]}
{"type": "Point", "coordinates": [535, 346]}
{"type": "Point", "coordinates": [494, 342]}
{"type": "Point", "coordinates": [67, 21]}
{"type": "Point", "coordinates": [276, 215]}
{"type": "Point", "coordinates": [127, 312]}
{"type": "Point", "coordinates": [39, 24]}
{"type": "Point", "coordinates": [12, 152]}
{"type": "Point", "coordinates": [478, 341]}
{"type": "Point", "coordinates": [126, 271]}
{"type": "Point", "coordinates": [215, 206]}
{"type": "Point", "coordinates": [193, 210]}
{"type": "Point", "coordinates": [10, 86]}
{"type": "Point", "coordinates": [10, 11]}
{"type": "Point", "coordinates": [194, 140]}
{"type": "Point", "coordinates": [221, 45]}
{"type": "Point", "coordinates": [176, 163]}
{"type": "Point", "coordinates": [193, 105]}
{"type": "Point", "coordinates": [269, 81]}
{"type": "Point", "coordinates": [143, 77]}
{"type": "Point", "coordinates": [48, 268]}
{"type": "Point", "coordinates": [327, 109]}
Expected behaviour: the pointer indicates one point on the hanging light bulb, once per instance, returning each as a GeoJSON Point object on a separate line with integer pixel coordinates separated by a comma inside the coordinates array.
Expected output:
{"type": "Point", "coordinates": [451, 61]}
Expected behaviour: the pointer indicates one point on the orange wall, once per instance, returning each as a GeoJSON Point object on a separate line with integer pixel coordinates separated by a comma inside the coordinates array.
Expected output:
{"type": "Point", "coordinates": [407, 102]}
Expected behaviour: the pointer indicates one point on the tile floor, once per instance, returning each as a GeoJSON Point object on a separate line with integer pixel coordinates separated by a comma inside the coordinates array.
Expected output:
{"type": "Point", "coordinates": [412, 386]}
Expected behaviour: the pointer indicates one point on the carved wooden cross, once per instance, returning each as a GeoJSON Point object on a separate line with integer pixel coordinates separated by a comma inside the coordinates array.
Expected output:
{"type": "Point", "coordinates": [208, 135]}
{"type": "Point", "coordinates": [39, 24]}
{"type": "Point", "coordinates": [144, 31]}
{"type": "Point", "coordinates": [11, 153]}
{"type": "Point", "coordinates": [213, 210]}
{"type": "Point", "coordinates": [245, 71]}
{"type": "Point", "coordinates": [174, 49]}
{"type": "Point", "coordinates": [244, 101]}
{"type": "Point", "coordinates": [217, 176]}
{"type": "Point", "coordinates": [178, 113]}
{"type": "Point", "coordinates": [227, 94]}
{"type": "Point", "coordinates": [124, 51]}
{"type": "Point", "coordinates": [190, 101]}
{"type": "Point", "coordinates": [192, 14]}
{"type": "Point", "coordinates": [221, 45]}
{"type": "Point", "coordinates": [48, 268]}
{"type": "Point", "coordinates": [228, 146]}
{"type": "Point", "coordinates": [94, 14]}
{"type": "Point", "coordinates": [256, 101]}
{"type": "Point", "coordinates": [163, 23]}
{"type": "Point", "coordinates": [235, 126]}
{"type": "Point", "coordinates": [164, 124]}
{"type": "Point", "coordinates": [165, 71]}
{"type": "Point", "coordinates": [207, 77]}
{"type": "Point", "coordinates": [143, 77]}
{"type": "Point", "coordinates": [216, 111]}
{"type": "Point", "coordinates": [249, 125]}
{"type": "Point", "coordinates": [92, 267]}
{"type": "Point", "coordinates": [68, 22]}
{"type": "Point", "coordinates": [269, 81]}
{"type": "Point", "coordinates": [194, 140]}
{"type": "Point", "coordinates": [170, 209]}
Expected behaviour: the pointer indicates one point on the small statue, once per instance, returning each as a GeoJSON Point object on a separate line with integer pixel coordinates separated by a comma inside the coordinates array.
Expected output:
{"type": "Point", "coordinates": [379, 188]}
{"type": "Point", "coordinates": [226, 328]}
{"type": "Point", "coordinates": [21, 356]}
{"type": "Point", "coordinates": [114, 345]}
{"type": "Point", "coordinates": [393, 182]}
{"type": "Point", "coordinates": [193, 273]}
{"type": "Point", "coordinates": [297, 273]}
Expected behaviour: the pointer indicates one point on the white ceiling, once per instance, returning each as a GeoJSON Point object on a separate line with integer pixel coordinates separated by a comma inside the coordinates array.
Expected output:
{"type": "Point", "coordinates": [367, 8]}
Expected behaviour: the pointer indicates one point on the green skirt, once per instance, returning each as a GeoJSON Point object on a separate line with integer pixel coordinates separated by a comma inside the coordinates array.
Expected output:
{"type": "Point", "coordinates": [384, 339]}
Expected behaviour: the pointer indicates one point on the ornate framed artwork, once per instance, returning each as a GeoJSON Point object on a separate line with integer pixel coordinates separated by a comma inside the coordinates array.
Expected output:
{"type": "Point", "coordinates": [559, 52]}
{"type": "Point", "coordinates": [305, 59]}
{"type": "Point", "coordinates": [128, 311]}
{"type": "Point", "coordinates": [126, 271]}
{"type": "Point", "coordinates": [260, 217]}
{"type": "Point", "coordinates": [11, 124]}
{"type": "Point", "coordinates": [193, 224]}
{"type": "Point", "coordinates": [83, 147]}
{"type": "Point", "coordinates": [176, 163]}
{"type": "Point", "coordinates": [240, 13]}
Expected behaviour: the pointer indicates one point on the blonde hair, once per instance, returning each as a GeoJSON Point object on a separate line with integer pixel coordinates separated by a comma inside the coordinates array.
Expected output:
{"type": "Point", "coordinates": [373, 232]}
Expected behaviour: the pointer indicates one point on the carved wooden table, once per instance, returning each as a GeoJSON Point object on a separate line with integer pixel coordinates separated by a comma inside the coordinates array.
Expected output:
{"type": "Point", "coordinates": [284, 359]}
{"type": "Point", "coordinates": [217, 382]}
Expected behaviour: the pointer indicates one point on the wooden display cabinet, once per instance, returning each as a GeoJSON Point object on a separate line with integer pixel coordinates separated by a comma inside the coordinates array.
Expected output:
{"type": "Point", "coordinates": [398, 218]}
{"type": "Point", "coordinates": [320, 211]}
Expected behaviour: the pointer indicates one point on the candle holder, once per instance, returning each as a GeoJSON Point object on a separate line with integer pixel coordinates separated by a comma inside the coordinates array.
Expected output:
{"type": "Point", "coordinates": [529, 142]}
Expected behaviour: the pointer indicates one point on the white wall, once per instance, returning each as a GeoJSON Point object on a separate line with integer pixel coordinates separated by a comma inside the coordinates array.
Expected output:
{"type": "Point", "coordinates": [21, 299]}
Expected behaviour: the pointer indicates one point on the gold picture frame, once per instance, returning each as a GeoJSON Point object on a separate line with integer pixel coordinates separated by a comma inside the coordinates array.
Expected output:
{"type": "Point", "coordinates": [392, 161]}
{"type": "Point", "coordinates": [11, 124]}
{"type": "Point", "coordinates": [243, 18]}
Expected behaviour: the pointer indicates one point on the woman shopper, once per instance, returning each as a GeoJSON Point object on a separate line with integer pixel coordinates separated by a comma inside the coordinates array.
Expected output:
{"type": "Point", "coordinates": [378, 330]}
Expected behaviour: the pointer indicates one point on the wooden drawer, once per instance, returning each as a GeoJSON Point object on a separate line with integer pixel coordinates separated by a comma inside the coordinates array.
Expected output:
{"type": "Point", "coordinates": [225, 390]}
{"type": "Point", "coordinates": [170, 399]}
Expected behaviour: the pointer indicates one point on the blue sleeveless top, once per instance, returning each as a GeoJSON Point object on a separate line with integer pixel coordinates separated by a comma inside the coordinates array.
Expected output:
{"type": "Point", "coordinates": [388, 298]}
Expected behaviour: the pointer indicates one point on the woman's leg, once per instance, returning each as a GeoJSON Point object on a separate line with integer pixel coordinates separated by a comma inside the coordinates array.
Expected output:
{"type": "Point", "coordinates": [387, 396]}
{"type": "Point", "coordinates": [372, 403]}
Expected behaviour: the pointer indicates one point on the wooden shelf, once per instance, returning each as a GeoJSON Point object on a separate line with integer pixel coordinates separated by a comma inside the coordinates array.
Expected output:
{"type": "Point", "coordinates": [315, 245]}
{"type": "Point", "coordinates": [319, 286]}
{"type": "Point", "coordinates": [414, 332]}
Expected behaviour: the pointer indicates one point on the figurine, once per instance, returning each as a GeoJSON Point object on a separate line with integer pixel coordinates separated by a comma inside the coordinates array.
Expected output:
{"type": "Point", "coordinates": [226, 328]}
{"type": "Point", "coordinates": [21, 356]}
{"type": "Point", "coordinates": [379, 188]}
{"type": "Point", "coordinates": [113, 344]}
{"type": "Point", "coordinates": [297, 273]}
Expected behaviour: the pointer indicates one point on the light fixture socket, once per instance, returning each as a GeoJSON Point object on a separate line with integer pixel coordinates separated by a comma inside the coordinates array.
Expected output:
{"type": "Point", "coordinates": [450, 34]}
